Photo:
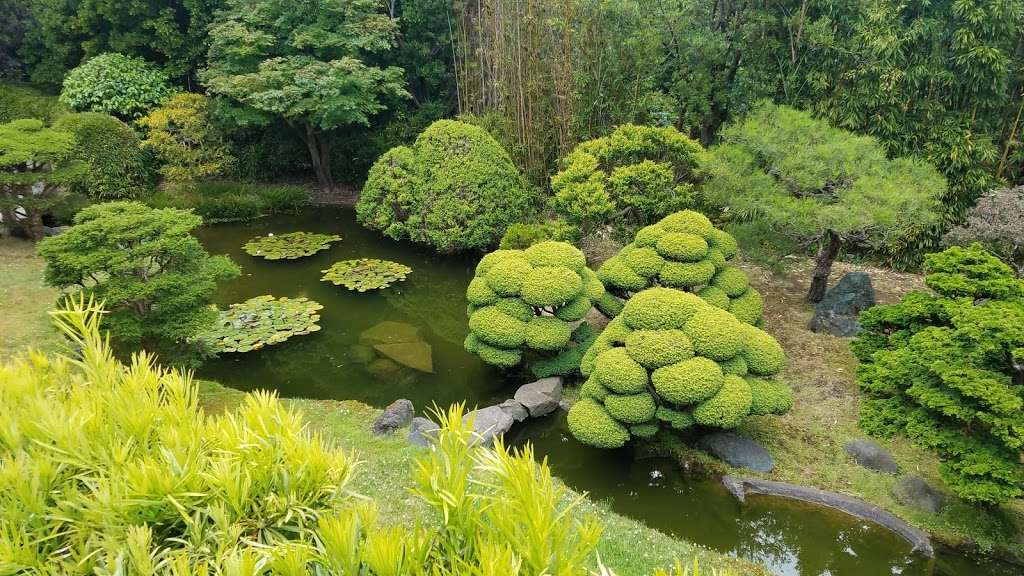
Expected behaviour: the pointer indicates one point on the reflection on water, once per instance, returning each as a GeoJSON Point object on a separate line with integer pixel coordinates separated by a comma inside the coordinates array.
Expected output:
{"type": "Point", "coordinates": [355, 356]}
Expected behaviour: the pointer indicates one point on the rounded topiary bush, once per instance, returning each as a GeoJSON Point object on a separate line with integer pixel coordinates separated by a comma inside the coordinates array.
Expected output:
{"type": "Point", "coordinates": [115, 165]}
{"type": "Point", "coordinates": [683, 251]}
{"type": "Point", "coordinates": [455, 189]}
{"type": "Point", "coordinates": [672, 360]}
{"type": "Point", "coordinates": [526, 300]}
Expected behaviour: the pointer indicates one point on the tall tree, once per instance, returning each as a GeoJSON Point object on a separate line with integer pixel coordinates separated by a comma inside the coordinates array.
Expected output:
{"type": "Point", "coordinates": [309, 63]}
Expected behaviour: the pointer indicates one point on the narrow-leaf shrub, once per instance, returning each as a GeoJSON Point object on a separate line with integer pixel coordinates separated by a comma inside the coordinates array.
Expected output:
{"type": "Point", "coordinates": [522, 235]}
{"type": "Point", "coordinates": [671, 361]}
{"type": "Point", "coordinates": [112, 83]}
{"type": "Point", "coordinates": [523, 300]}
{"type": "Point", "coordinates": [155, 277]}
{"type": "Point", "coordinates": [182, 134]}
{"type": "Point", "coordinates": [115, 168]}
{"type": "Point", "coordinates": [107, 468]}
{"type": "Point", "coordinates": [997, 222]}
{"type": "Point", "coordinates": [454, 189]}
{"type": "Point", "coordinates": [646, 170]}
{"type": "Point", "coordinates": [684, 251]}
{"type": "Point", "coordinates": [946, 369]}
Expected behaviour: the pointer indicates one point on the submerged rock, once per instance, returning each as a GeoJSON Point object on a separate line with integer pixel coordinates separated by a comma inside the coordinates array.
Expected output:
{"type": "Point", "coordinates": [738, 451]}
{"type": "Point", "coordinates": [489, 423]}
{"type": "Point", "coordinates": [361, 354]}
{"type": "Point", "coordinates": [397, 415]}
{"type": "Point", "coordinates": [871, 456]}
{"type": "Point", "coordinates": [838, 311]}
{"type": "Point", "coordinates": [422, 431]}
{"type": "Point", "coordinates": [390, 332]}
{"type": "Point", "coordinates": [415, 355]}
{"type": "Point", "coordinates": [915, 492]}
{"type": "Point", "coordinates": [540, 398]}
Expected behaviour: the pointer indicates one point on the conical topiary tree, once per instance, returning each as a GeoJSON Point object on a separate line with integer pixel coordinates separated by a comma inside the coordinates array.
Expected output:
{"type": "Point", "coordinates": [527, 300]}
{"type": "Point", "coordinates": [684, 251]}
{"type": "Point", "coordinates": [672, 360]}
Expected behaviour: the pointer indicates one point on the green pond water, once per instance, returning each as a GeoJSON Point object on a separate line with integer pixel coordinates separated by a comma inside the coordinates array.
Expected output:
{"type": "Point", "coordinates": [339, 362]}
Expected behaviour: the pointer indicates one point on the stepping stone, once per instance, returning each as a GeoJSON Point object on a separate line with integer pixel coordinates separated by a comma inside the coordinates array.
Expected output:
{"type": "Point", "coordinates": [871, 456]}
{"type": "Point", "coordinates": [738, 451]}
{"type": "Point", "coordinates": [540, 398]}
{"type": "Point", "coordinates": [389, 332]}
{"type": "Point", "coordinates": [489, 423]}
{"type": "Point", "coordinates": [915, 492]}
{"type": "Point", "coordinates": [422, 431]}
{"type": "Point", "coordinates": [513, 408]}
{"type": "Point", "coordinates": [415, 355]}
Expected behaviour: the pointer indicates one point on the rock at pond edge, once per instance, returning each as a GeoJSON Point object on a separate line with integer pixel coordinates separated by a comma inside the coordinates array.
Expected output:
{"type": "Point", "coordinates": [489, 423]}
{"type": "Point", "coordinates": [397, 415]}
{"type": "Point", "coordinates": [422, 431]}
{"type": "Point", "coordinates": [871, 456]}
{"type": "Point", "coordinates": [738, 451]}
{"type": "Point", "coordinates": [915, 492]}
{"type": "Point", "coordinates": [541, 397]}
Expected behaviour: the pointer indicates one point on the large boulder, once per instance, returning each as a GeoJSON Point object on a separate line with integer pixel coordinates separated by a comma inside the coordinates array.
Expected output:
{"type": "Point", "coordinates": [738, 451]}
{"type": "Point", "coordinates": [489, 423]}
{"type": "Point", "coordinates": [397, 415]}
{"type": "Point", "coordinates": [838, 311]}
{"type": "Point", "coordinates": [422, 431]}
{"type": "Point", "coordinates": [540, 398]}
{"type": "Point", "coordinates": [871, 456]}
{"type": "Point", "coordinates": [913, 491]}
{"type": "Point", "coordinates": [513, 408]}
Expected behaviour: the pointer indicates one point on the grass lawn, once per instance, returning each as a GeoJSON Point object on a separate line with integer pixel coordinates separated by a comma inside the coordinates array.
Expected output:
{"type": "Point", "coordinates": [25, 299]}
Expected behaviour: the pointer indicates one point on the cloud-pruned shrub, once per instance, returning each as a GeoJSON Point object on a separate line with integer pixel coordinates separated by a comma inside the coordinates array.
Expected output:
{"type": "Point", "coordinates": [523, 300]}
{"type": "Point", "coordinates": [671, 360]}
{"type": "Point", "coordinates": [115, 168]}
{"type": "Point", "coordinates": [946, 369]}
{"type": "Point", "coordinates": [454, 189]}
{"type": "Point", "coordinates": [112, 83]}
{"type": "Point", "coordinates": [684, 251]}
{"type": "Point", "coordinates": [643, 170]}
{"type": "Point", "coordinates": [997, 222]}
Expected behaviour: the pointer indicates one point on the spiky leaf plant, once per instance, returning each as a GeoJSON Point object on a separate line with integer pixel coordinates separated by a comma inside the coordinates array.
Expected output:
{"type": "Point", "coordinates": [289, 246]}
{"type": "Point", "coordinates": [686, 252]}
{"type": "Point", "coordinates": [261, 321]}
{"type": "Point", "coordinates": [365, 274]}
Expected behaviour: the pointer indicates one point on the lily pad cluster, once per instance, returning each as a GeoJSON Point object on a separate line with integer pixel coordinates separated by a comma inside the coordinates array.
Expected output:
{"type": "Point", "coordinates": [683, 251]}
{"type": "Point", "coordinates": [527, 299]}
{"type": "Point", "coordinates": [671, 360]}
{"type": "Point", "coordinates": [365, 274]}
{"type": "Point", "coordinates": [289, 246]}
{"type": "Point", "coordinates": [262, 321]}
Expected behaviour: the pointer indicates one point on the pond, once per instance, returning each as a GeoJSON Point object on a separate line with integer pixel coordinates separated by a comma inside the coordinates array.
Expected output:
{"type": "Point", "coordinates": [340, 362]}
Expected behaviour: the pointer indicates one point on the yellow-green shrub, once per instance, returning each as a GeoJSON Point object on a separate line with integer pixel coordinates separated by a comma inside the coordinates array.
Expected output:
{"type": "Point", "coordinates": [694, 362]}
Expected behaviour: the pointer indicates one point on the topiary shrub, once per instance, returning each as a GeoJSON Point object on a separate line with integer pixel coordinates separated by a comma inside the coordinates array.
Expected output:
{"type": "Point", "coordinates": [112, 83]}
{"type": "Point", "coordinates": [684, 251]}
{"type": "Point", "coordinates": [521, 235]}
{"type": "Point", "coordinates": [643, 170]}
{"type": "Point", "coordinates": [526, 300]}
{"type": "Point", "coordinates": [947, 371]}
{"type": "Point", "coordinates": [115, 166]}
{"type": "Point", "coordinates": [455, 189]}
{"type": "Point", "coordinates": [671, 360]}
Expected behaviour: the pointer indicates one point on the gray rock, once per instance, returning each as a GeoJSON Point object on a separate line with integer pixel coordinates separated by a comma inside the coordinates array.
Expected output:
{"type": "Point", "coordinates": [422, 431]}
{"type": "Point", "coordinates": [54, 230]}
{"type": "Point", "coordinates": [564, 404]}
{"type": "Point", "coordinates": [397, 415]}
{"type": "Point", "coordinates": [541, 397]}
{"type": "Point", "coordinates": [738, 451]}
{"type": "Point", "coordinates": [871, 456]}
{"type": "Point", "coordinates": [838, 311]}
{"type": "Point", "coordinates": [513, 408]}
{"type": "Point", "coordinates": [489, 423]}
{"type": "Point", "coordinates": [913, 491]}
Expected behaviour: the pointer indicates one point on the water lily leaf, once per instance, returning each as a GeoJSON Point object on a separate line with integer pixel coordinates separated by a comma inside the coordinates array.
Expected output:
{"type": "Point", "coordinates": [289, 246]}
{"type": "Point", "coordinates": [365, 274]}
{"type": "Point", "coordinates": [261, 321]}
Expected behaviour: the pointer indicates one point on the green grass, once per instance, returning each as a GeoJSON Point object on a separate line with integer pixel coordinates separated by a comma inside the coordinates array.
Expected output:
{"type": "Point", "coordinates": [385, 472]}
{"type": "Point", "coordinates": [228, 201]}
{"type": "Point", "coordinates": [25, 299]}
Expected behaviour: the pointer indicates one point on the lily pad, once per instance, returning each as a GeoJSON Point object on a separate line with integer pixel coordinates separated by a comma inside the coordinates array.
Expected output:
{"type": "Point", "coordinates": [289, 246]}
{"type": "Point", "coordinates": [262, 321]}
{"type": "Point", "coordinates": [365, 274]}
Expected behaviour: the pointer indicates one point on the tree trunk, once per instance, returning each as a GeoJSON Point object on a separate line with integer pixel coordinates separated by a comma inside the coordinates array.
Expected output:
{"type": "Point", "coordinates": [322, 169]}
{"type": "Point", "coordinates": [823, 266]}
{"type": "Point", "coordinates": [32, 224]}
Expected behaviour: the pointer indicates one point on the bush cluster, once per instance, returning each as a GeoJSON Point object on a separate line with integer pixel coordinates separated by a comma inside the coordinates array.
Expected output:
{"type": "Point", "coordinates": [225, 200]}
{"type": "Point", "coordinates": [112, 83]}
{"type": "Point", "coordinates": [946, 369]}
{"type": "Point", "coordinates": [455, 189]}
{"type": "Point", "coordinates": [181, 132]}
{"type": "Point", "coordinates": [671, 360]}
{"type": "Point", "coordinates": [18, 101]}
{"type": "Point", "coordinates": [116, 167]}
{"type": "Point", "coordinates": [522, 235]}
{"type": "Point", "coordinates": [526, 299]}
{"type": "Point", "coordinates": [683, 251]}
{"type": "Point", "coordinates": [646, 170]}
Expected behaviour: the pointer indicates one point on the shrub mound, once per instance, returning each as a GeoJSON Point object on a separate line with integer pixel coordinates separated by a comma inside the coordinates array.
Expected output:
{"type": "Point", "coordinates": [685, 251]}
{"type": "Point", "coordinates": [455, 189]}
{"type": "Point", "coordinates": [526, 299]}
{"type": "Point", "coordinates": [947, 371]}
{"type": "Point", "coordinates": [671, 360]}
{"type": "Point", "coordinates": [115, 166]}
{"type": "Point", "coordinates": [113, 83]}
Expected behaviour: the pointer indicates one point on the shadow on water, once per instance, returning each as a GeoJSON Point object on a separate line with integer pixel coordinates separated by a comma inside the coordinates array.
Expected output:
{"type": "Point", "coordinates": [339, 362]}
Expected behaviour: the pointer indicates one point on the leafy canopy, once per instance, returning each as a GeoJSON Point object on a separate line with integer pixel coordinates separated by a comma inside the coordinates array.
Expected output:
{"type": "Point", "coordinates": [184, 137]}
{"type": "Point", "coordinates": [115, 168]}
{"type": "Point", "coordinates": [947, 371]}
{"type": "Point", "coordinates": [112, 83]}
{"type": "Point", "coordinates": [154, 277]}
